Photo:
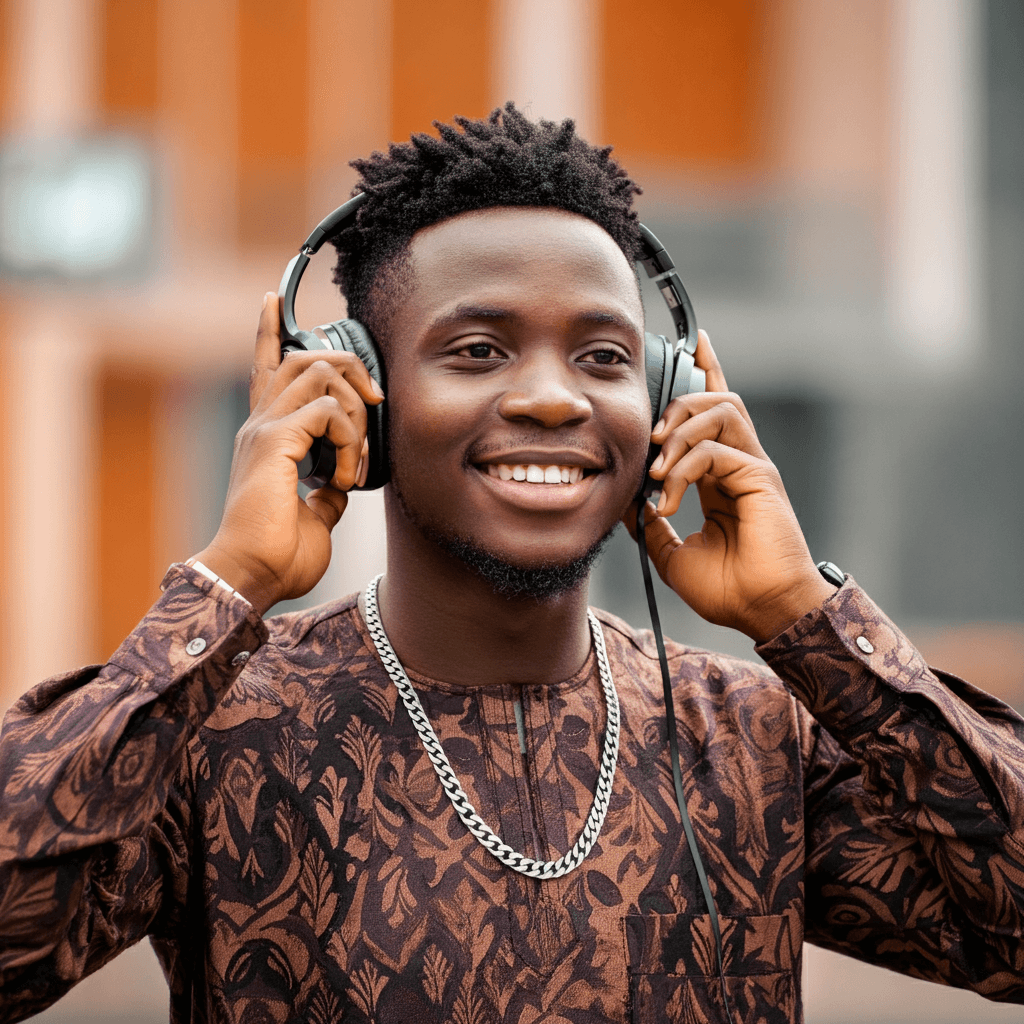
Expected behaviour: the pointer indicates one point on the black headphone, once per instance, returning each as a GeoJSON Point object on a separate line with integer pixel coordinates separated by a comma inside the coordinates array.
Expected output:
{"type": "Point", "coordinates": [670, 368]}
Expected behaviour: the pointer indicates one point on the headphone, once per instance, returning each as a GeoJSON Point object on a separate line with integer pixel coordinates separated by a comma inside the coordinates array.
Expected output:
{"type": "Point", "coordinates": [670, 367]}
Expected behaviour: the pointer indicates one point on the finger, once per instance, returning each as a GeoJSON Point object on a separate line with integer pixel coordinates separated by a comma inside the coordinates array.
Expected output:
{"type": "Point", "coordinates": [722, 422]}
{"type": "Point", "coordinates": [328, 504]}
{"type": "Point", "coordinates": [706, 359]}
{"type": "Point", "coordinates": [661, 540]}
{"type": "Point", "coordinates": [680, 409]}
{"type": "Point", "coordinates": [345, 364]}
{"type": "Point", "coordinates": [735, 473]}
{"type": "Point", "coordinates": [268, 349]}
{"type": "Point", "coordinates": [629, 517]}
{"type": "Point", "coordinates": [322, 418]}
{"type": "Point", "coordinates": [319, 379]}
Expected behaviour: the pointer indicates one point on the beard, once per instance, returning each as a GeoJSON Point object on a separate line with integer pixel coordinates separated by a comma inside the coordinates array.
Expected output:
{"type": "Point", "coordinates": [540, 581]}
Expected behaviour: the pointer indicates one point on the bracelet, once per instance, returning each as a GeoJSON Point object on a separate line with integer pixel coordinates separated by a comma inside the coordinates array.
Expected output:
{"type": "Point", "coordinates": [213, 577]}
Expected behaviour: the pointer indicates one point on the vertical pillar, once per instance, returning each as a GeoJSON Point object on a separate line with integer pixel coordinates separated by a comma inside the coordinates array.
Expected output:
{"type": "Point", "coordinates": [934, 272]}
{"type": "Point", "coordinates": [546, 59]}
{"type": "Point", "coordinates": [51, 86]}
{"type": "Point", "coordinates": [50, 460]}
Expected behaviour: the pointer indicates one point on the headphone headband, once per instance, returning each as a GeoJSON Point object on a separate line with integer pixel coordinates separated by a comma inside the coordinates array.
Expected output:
{"type": "Point", "coordinates": [655, 259]}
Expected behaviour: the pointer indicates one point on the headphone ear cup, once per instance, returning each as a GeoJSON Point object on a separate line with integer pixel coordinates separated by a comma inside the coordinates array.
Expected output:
{"type": "Point", "coordinates": [657, 358]}
{"type": "Point", "coordinates": [352, 336]}
{"type": "Point", "coordinates": [688, 378]}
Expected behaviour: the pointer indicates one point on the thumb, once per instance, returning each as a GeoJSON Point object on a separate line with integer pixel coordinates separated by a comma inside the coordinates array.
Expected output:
{"type": "Point", "coordinates": [328, 504]}
{"type": "Point", "coordinates": [660, 537]}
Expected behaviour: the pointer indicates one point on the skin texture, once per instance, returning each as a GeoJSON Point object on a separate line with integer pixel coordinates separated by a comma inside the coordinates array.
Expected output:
{"type": "Point", "coordinates": [520, 340]}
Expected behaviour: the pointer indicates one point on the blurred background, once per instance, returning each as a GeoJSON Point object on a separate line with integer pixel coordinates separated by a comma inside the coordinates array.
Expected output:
{"type": "Point", "coordinates": [841, 183]}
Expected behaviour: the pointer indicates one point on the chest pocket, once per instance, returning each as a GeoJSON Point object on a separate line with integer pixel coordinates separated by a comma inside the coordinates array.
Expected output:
{"type": "Point", "coordinates": [673, 974]}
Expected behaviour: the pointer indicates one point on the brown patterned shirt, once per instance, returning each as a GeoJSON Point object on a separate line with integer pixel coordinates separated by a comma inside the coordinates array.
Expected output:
{"type": "Point", "coordinates": [274, 825]}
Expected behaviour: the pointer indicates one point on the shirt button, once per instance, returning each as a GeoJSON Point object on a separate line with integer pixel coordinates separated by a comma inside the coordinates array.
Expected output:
{"type": "Point", "coordinates": [865, 645]}
{"type": "Point", "coordinates": [196, 646]}
{"type": "Point", "coordinates": [240, 658]}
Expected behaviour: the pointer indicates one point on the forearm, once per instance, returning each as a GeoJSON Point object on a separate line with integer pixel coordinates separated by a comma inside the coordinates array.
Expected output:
{"type": "Point", "coordinates": [924, 838]}
{"type": "Point", "coordinates": [87, 761]}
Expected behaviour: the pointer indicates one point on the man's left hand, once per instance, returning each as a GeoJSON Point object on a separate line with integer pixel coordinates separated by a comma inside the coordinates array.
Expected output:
{"type": "Point", "coordinates": [749, 567]}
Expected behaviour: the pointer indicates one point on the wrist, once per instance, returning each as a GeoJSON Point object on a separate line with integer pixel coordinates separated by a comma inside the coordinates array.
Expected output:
{"type": "Point", "coordinates": [775, 617]}
{"type": "Point", "coordinates": [260, 592]}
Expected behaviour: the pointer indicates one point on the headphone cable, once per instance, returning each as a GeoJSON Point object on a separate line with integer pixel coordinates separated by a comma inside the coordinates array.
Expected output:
{"type": "Point", "coordinates": [673, 743]}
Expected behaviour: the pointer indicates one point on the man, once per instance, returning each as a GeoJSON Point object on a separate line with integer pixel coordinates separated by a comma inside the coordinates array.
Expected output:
{"type": "Point", "coordinates": [257, 797]}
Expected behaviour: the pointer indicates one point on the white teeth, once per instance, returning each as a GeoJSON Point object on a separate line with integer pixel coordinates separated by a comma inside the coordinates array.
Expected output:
{"type": "Point", "coordinates": [537, 474]}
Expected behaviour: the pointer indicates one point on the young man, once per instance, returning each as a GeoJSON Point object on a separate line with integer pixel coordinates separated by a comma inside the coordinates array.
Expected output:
{"type": "Point", "coordinates": [257, 797]}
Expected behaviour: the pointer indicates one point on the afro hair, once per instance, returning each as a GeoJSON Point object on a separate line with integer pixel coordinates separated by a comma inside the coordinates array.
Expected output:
{"type": "Point", "coordinates": [503, 160]}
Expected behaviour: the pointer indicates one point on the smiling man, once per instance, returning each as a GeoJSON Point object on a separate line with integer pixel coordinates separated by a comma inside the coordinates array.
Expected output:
{"type": "Point", "coordinates": [450, 798]}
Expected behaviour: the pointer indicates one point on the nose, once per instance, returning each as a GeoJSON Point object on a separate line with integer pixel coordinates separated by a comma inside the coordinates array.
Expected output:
{"type": "Point", "coordinates": [544, 392]}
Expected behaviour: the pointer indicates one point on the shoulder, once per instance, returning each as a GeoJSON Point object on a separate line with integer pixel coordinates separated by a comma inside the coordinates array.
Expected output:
{"type": "Point", "coordinates": [316, 661]}
{"type": "Point", "coordinates": [635, 652]}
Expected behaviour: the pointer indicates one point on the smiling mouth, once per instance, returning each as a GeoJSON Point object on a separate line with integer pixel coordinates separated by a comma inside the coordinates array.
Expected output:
{"type": "Point", "coordinates": [536, 474]}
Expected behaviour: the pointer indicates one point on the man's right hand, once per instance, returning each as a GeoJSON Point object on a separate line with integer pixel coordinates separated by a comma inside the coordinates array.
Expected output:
{"type": "Point", "coordinates": [272, 545]}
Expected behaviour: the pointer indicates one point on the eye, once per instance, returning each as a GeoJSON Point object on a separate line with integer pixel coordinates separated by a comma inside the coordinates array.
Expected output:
{"type": "Point", "coordinates": [479, 350]}
{"type": "Point", "coordinates": [603, 357]}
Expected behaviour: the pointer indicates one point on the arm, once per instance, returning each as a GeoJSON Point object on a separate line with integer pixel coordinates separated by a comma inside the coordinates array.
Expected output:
{"type": "Point", "coordinates": [915, 793]}
{"type": "Point", "coordinates": [94, 831]}
{"type": "Point", "coordinates": [915, 854]}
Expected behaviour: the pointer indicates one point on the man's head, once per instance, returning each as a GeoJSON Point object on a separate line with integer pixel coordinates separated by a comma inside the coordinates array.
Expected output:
{"type": "Point", "coordinates": [497, 272]}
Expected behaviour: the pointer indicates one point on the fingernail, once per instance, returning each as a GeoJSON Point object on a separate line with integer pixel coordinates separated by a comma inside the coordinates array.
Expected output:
{"type": "Point", "coordinates": [361, 470]}
{"type": "Point", "coordinates": [658, 462]}
{"type": "Point", "coordinates": [377, 389]}
{"type": "Point", "coordinates": [266, 299]}
{"type": "Point", "coordinates": [658, 427]}
{"type": "Point", "coordinates": [661, 503]}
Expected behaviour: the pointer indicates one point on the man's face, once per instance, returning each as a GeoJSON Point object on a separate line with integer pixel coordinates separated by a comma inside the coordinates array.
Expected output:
{"type": "Point", "coordinates": [519, 343]}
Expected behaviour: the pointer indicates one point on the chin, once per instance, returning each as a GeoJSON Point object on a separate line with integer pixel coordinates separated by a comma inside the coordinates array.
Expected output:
{"type": "Point", "coordinates": [533, 580]}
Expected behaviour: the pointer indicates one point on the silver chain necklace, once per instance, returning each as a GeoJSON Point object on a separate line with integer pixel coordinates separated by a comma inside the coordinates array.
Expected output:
{"type": "Point", "coordinates": [450, 783]}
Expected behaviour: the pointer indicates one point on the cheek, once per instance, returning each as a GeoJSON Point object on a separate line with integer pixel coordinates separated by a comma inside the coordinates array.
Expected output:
{"type": "Point", "coordinates": [423, 429]}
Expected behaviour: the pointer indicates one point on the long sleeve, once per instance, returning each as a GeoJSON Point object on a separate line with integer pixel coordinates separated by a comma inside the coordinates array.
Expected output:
{"type": "Point", "coordinates": [94, 830]}
{"type": "Point", "coordinates": [914, 803]}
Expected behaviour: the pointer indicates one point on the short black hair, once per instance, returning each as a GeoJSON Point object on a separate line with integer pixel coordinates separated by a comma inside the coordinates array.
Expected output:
{"type": "Point", "coordinates": [502, 160]}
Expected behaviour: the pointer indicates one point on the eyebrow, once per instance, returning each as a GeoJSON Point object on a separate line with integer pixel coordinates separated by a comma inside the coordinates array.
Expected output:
{"type": "Point", "coordinates": [496, 314]}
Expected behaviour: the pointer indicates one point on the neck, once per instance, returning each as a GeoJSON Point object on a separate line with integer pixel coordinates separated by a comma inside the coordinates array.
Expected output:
{"type": "Point", "coordinates": [446, 622]}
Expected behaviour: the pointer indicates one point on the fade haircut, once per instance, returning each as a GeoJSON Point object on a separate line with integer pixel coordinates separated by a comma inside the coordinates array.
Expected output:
{"type": "Point", "coordinates": [503, 160]}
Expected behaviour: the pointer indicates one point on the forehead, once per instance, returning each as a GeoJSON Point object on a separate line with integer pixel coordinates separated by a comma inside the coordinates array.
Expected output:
{"type": "Point", "coordinates": [520, 254]}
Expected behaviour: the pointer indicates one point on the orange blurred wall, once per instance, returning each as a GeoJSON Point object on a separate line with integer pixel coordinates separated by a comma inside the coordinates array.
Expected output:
{"type": "Point", "coordinates": [441, 62]}
{"type": "Point", "coordinates": [682, 82]}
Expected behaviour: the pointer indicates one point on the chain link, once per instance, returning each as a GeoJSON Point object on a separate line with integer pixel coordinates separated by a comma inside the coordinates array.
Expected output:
{"type": "Point", "coordinates": [450, 783]}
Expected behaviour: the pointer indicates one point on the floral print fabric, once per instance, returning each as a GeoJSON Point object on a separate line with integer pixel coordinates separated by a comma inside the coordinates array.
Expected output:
{"type": "Point", "coordinates": [275, 827]}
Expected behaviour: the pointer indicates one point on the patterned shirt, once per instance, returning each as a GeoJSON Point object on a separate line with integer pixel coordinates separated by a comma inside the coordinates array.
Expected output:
{"type": "Point", "coordinates": [274, 825]}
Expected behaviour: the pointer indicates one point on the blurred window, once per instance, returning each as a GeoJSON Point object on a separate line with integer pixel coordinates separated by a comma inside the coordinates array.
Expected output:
{"type": "Point", "coordinates": [75, 209]}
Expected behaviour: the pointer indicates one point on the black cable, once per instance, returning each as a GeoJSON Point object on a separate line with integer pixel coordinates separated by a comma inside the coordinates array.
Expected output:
{"type": "Point", "coordinates": [673, 744]}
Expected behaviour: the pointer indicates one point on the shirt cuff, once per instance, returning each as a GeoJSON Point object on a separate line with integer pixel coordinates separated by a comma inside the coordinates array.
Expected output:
{"type": "Point", "coordinates": [835, 657]}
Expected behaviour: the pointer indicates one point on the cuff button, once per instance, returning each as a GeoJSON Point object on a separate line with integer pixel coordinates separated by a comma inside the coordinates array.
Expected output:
{"type": "Point", "coordinates": [196, 647]}
{"type": "Point", "coordinates": [240, 658]}
{"type": "Point", "coordinates": [865, 645]}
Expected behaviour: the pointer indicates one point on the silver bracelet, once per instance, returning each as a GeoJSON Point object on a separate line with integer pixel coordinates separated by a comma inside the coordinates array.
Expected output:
{"type": "Point", "coordinates": [212, 576]}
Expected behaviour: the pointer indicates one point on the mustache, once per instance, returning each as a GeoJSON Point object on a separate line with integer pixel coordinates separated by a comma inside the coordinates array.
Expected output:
{"type": "Point", "coordinates": [541, 439]}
